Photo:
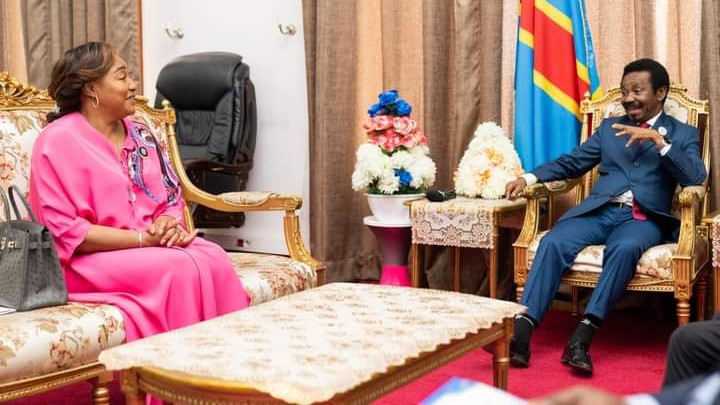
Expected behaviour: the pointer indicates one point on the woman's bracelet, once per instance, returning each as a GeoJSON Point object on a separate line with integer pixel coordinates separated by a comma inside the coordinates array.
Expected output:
{"type": "Point", "coordinates": [140, 239]}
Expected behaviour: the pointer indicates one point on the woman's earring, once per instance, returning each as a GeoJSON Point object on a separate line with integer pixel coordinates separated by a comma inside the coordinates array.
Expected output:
{"type": "Point", "coordinates": [95, 101]}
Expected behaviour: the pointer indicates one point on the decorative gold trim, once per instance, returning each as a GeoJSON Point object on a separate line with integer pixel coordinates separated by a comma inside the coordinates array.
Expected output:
{"type": "Point", "coordinates": [185, 388]}
{"type": "Point", "coordinates": [21, 96]}
{"type": "Point", "coordinates": [47, 382]}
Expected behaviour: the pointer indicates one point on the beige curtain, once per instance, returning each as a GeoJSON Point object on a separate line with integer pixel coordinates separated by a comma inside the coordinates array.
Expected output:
{"type": "Point", "coordinates": [51, 27]}
{"type": "Point", "coordinates": [12, 47]}
{"type": "Point", "coordinates": [668, 31]}
{"type": "Point", "coordinates": [709, 73]}
{"type": "Point", "coordinates": [443, 57]}
{"type": "Point", "coordinates": [454, 61]}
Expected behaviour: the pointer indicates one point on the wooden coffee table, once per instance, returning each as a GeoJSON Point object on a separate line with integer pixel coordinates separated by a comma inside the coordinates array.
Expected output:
{"type": "Point", "coordinates": [340, 343]}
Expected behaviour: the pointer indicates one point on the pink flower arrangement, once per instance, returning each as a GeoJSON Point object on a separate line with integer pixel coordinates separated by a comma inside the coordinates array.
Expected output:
{"type": "Point", "coordinates": [390, 133]}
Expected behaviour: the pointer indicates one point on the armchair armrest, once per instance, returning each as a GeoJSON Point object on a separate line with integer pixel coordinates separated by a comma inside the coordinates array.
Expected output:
{"type": "Point", "coordinates": [244, 202]}
{"type": "Point", "coordinates": [217, 167]}
{"type": "Point", "coordinates": [691, 194]}
{"type": "Point", "coordinates": [690, 198]}
{"type": "Point", "coordinates": [550, 188]}
{"type": "Point", "coordinates": [534, 194]}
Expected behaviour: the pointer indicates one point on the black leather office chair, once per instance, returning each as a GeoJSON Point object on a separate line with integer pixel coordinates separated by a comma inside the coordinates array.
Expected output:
{"type": "Point", "coordinates": [214, 100]}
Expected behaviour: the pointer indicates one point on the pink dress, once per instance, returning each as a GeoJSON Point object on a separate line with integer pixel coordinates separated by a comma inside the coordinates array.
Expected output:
{"type": "Point", "coordinates": [77, 180]}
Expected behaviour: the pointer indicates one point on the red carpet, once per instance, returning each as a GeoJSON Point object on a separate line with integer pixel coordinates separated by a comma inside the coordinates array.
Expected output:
{"type": "Point", "coordinates": [628, 355]}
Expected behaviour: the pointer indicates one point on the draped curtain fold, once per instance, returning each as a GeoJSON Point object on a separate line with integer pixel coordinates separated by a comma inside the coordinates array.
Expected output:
{"type": "Point", "coordinates": [454, 61]}
{"type": "Point", "coordinates": [709, 66]}
{"type": "Point", "coordinates": [12, 46]}
{"type": "Point", "coordinates": [35, 33]}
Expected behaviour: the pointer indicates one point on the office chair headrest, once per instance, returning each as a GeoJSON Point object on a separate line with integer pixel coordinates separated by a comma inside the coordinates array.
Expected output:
{"type": "Point", "coordinates": [198, 81]}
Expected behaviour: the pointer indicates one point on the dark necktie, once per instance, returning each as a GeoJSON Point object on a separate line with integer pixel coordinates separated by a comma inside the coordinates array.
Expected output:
{"type": "Point", "coordinates": [637, 212]}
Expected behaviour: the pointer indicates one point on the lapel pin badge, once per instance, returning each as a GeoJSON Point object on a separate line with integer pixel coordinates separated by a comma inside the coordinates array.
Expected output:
{"type": "Point", "coordinates": [662, 131]}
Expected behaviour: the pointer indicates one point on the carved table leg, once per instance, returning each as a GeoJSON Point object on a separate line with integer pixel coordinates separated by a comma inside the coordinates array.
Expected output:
{"type": "Point", "coordinates": [415, 266]}
{"type": "Point", "coordinates": [456, 268]}
{"type": "Point", "coordinates": [494, 260]}
{"type": "Point", "coordinates": [133, 394]}
{"type": "Point", "coordinates": [501, 356]}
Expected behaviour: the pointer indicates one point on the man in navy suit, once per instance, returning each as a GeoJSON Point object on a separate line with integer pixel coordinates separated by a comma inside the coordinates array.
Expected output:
{"type": "Point", "coordinates": [642, 157]}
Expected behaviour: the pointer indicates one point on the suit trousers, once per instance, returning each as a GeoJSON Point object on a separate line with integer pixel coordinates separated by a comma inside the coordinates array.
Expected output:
{"type": "Point", "coordinates": [694, 349]}
{"type": "Point", "coordinates": [612, 225]}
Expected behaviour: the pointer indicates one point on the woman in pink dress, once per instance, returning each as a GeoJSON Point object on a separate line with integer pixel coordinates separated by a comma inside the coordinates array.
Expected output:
{"type": "Point", "coordinates": [109, 196]}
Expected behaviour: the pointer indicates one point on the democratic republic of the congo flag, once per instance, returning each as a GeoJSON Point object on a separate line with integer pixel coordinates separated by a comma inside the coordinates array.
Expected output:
{"type": "Point", "coordinates": [554, 69]}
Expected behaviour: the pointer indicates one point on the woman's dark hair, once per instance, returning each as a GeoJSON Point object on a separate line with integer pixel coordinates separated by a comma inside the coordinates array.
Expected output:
{"type": "Point", "coordinates": [77, 67]}
{"type": "Point", "coordinates": [658, 74]}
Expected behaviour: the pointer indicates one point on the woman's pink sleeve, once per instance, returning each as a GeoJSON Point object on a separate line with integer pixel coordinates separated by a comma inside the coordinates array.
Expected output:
{"type": "Point", "coordinates": [54, 206]}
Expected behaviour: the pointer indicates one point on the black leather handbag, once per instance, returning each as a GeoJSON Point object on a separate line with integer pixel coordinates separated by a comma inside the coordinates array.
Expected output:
{"type": "Point", "coordinates": [30, 273]}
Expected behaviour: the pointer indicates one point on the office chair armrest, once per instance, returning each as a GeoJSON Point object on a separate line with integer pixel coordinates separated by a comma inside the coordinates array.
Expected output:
{"type": "Point", "coordinates": [217, 167]}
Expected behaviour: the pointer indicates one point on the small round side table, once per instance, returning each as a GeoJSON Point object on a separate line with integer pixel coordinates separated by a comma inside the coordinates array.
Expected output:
{"type": "Point", "coordinates": [394, 241]}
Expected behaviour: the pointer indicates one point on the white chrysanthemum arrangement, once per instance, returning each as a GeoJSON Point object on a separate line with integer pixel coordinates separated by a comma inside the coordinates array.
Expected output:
{"type": "Point", "coordinates": [488, 164]}
{"type": "Point", "coordinates": [394, 160]}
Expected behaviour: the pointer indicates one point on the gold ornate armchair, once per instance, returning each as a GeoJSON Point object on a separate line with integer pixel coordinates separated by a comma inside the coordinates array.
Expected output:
{"type": "Point", "coordinates": [673, 267]}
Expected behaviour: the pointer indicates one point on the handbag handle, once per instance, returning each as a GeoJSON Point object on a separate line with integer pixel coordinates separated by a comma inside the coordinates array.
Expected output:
{"type": "Point", "coordinates": [12, 190]}
{"type": "Point", "coordinates": [6, 207]}
{"type": "Point", "coordinates": [5, 229]}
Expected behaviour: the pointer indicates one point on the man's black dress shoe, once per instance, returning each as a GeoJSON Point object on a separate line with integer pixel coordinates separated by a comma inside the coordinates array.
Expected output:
{"type": "Point", "coordinates": [519, 354]}
{"type": "Point", "coordinates": [577, 356]}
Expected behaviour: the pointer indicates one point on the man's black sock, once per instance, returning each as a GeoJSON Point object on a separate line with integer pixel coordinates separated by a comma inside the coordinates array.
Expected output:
{"type": "Point", "coordinates": [524, 326]}
{"type": "Point", "coordinates": [585, 330]}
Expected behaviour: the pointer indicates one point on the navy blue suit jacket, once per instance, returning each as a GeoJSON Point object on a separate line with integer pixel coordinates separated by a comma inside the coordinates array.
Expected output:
{"type": "Point", "coordinates": [652, 178]}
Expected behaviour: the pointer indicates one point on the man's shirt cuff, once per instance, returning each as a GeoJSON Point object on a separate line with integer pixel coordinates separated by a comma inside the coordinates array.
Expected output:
{"type": "Point", "coordinates": [530, 179]}
{"type": "Point", "coordinates": [665, 149]}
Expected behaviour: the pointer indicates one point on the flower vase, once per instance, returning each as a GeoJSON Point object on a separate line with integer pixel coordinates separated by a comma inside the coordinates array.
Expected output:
{"type": "Point", "coordinates": [391, 209]}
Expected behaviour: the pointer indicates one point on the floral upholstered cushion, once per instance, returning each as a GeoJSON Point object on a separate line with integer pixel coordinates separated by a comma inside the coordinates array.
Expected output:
{"type": "Point", "coordinates": [656, 262]}
{"type": "Point", "coordinates": [246, 197]}
{"type": "Point", "coordinates": [18, 131]}
{"type": "Point", "coordinates": [50, 339]}
{"type": "Point", "coordinates": [266, 277]}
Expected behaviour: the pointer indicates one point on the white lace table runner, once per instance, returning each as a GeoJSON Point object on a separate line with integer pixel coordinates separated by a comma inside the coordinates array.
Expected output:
{"type": "Point", "coordinates": [462, 221]}
{"type": "Point", "coordinates": [308, 347]}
